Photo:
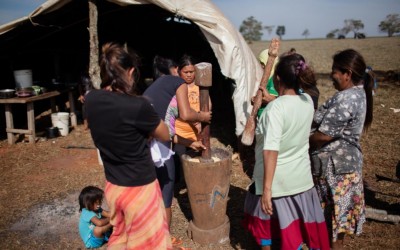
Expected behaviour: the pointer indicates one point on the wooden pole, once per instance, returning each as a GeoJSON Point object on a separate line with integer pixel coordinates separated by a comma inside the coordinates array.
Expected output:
{"type": "Point", "coordinates": [94, 68]}
{"type": "Point", "coordinates": [203, 79]}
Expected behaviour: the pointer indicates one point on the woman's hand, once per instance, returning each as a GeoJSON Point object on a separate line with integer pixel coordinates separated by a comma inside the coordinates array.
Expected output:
{"type": "Point", "coordinates": [81, 98]}
{"type": "Point", "coordinates": [266, 202]}
{"type": "Point", "coordinates": [266, 97]}
{"type": "Point", "coordinates": [205, 116]}
{"type": "Point", "coordinates": [197, 146]}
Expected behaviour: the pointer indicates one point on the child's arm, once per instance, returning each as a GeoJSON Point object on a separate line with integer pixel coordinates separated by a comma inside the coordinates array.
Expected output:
{"type": "Point", "coordinates": [100, 222]}
{"type": "Point", "coordinates": [105, 213]}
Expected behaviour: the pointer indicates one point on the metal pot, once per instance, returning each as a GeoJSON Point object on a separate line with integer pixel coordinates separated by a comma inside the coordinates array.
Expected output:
{"type": "Point", "coordinates": [25, 92]}
{"type": "Point", "coordinates": [52, 132]}
{"type": "Point", "coordinates": [7, 93]}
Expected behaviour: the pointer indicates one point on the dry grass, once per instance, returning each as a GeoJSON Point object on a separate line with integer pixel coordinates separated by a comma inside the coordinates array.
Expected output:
{"type": "Point", "coordinates": [380, 53]}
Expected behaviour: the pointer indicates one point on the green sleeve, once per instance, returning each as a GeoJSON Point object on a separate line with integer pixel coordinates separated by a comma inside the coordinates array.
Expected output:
{"type": "Point", "coordinates": [271, 89]}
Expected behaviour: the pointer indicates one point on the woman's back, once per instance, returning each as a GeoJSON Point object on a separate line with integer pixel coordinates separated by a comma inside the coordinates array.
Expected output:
{"type": "Point", "coordinates": [120, 125]}
{"type": "Point", "coordinates": [291, 116]}
{"type": "Point", "coordinates": [284, 126]}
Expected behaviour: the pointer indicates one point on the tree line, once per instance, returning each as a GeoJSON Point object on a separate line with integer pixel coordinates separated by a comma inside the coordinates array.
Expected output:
{"type": "Point", "coordinates": [251, 28]}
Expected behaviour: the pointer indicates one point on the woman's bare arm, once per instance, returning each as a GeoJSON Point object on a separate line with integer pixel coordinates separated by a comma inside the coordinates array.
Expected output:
{"type": "Point", "coordinates": [161, 133]}
{"type": "Point", "coordinates": [185, 111]}
{"type": "Point", "coordinates": [270, 160]}
{"type": "Point", "coordinates": [319, 139]}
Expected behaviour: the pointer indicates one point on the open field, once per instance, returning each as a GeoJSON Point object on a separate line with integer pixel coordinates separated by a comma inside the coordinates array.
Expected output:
{"type": "Point", "coordinates": [41, 183]}
{"type": "Point", "coordinates": [380, 53]}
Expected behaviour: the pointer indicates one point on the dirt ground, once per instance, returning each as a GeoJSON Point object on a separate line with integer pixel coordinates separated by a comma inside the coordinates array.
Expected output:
{"type": "Point", "coordinates": [41, 183]}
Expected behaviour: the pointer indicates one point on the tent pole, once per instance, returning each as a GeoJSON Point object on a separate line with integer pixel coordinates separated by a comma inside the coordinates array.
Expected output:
{"type": "Point", "coordinates": [94, 69]}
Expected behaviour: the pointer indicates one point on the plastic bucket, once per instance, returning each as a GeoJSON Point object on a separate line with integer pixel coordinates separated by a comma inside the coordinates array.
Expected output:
{"type": "Point", "coordinates": [23, 78]}
{"type": "Point", "coordinates": [61, 121]}
{"type": "Point", "coordinates": [52, 132]}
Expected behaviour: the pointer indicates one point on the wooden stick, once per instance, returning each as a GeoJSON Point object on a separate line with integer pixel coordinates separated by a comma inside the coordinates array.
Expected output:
{"type": "Point", "coordinates": [248, 133]}
{"type": "Point", "coordinates": [203, 79]}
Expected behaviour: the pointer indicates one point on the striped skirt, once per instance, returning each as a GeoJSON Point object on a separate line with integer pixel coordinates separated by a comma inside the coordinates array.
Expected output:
{"type": "Point", "coordinates": [138, 217]}
{"type": "Point", "coordinates": [296, 220]}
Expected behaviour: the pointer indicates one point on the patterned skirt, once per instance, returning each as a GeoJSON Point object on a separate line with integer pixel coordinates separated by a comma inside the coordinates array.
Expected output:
{"type": "Point", "coordinates": [342, 199]}
{"type": "Point", "coordinates": [138, 217]}
{"type": "Point", "coordinates": [297, 220]}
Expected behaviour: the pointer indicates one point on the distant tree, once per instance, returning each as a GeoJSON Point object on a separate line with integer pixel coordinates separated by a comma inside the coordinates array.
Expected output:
{"type": "Point", "coordinates": [280, 31]}
{"type": "Point", "coordinates": [352, 25]}
{"type": "Point", "coordinates": [269, 28]}
{"type": "Point", "coordinates": [306, 33]}
{"type": "Point", "coordinates": [391, 24]}
{"type": "Point", "coordinates": [251, 29]}
{"type": "Point", "coordinates": [332, 33]}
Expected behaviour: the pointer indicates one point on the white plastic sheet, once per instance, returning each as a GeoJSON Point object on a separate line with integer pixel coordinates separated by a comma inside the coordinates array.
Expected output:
{"type": "Point", "coordinates": [234, 56]}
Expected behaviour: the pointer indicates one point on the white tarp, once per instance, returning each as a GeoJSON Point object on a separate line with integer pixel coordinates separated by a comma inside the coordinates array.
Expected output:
{"type": "Point", "coordinates": [234, 56]}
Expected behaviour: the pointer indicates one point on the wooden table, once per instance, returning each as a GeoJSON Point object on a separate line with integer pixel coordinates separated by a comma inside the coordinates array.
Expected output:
{"type": "Point", "coordinates": [29, 101]}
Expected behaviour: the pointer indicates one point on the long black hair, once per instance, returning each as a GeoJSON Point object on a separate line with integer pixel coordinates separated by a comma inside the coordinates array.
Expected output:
{"type": "Point", "coordinates": [351, 61]}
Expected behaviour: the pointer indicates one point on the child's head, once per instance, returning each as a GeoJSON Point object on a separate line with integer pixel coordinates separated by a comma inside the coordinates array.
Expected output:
{"type": "Point", "coordinates": [90, 198]}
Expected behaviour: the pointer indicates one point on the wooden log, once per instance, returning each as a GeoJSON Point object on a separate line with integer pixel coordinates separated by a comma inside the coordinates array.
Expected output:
{"type": "Point", "coordinates": [381, 215]}
{"type": "Point", "coordinates": [94, 68]}
{"type": "Point", "coordinates": [248, 133]}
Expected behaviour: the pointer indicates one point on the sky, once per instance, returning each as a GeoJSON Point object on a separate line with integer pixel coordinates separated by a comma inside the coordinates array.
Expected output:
{"type": "Point", "coordinates": [318, 16]}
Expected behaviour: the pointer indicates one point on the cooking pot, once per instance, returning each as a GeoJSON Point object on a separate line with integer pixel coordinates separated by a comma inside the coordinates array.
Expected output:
{"type": "Point", "coordinates": [7, 93]}
{"type": "Point", "coordinates": [52, 132]}
{"type": "Point", "coordinates": [25, 92]}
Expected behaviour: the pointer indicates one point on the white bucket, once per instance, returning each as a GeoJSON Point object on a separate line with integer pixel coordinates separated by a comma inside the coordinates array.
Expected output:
{"type": "Point", "coordinates": [61, 121]}
{"type": "Point", "coordinates": [23, 78]}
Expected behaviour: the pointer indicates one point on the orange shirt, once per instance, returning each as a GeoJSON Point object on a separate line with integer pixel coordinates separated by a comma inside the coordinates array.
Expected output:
{"type": "Point", "coordinates": [185, 129]}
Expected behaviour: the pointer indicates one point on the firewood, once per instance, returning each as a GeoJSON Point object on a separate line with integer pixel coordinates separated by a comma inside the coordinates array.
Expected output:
{"type": "Point", "coordinates": [381, 215]}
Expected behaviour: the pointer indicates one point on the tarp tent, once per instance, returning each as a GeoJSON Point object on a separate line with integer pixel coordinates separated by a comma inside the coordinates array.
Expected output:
{"type": "Point", "coordinates": [56, 33]}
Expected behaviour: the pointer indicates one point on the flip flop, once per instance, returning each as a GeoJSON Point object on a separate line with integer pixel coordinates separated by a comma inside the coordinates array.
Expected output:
{"type": "Point", "coordinates": [175, 241]}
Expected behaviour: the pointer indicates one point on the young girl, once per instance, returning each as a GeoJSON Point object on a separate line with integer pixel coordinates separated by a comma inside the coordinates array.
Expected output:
{"type": "Point", "coordinates": [94, 222]}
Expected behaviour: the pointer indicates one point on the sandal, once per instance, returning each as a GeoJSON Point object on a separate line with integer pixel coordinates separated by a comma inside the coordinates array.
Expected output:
{"type": "Point", "coordinates": [175, 241]}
